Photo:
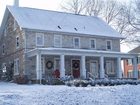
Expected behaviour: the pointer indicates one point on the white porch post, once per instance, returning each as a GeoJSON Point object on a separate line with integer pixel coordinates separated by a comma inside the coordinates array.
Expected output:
{"type": "Point", "coordinates": [102, 72]}
{"type": "Point", "coordinates": [135, 69]}
{"type": "Point", "coordinates": [119, 68]}
{"type": "Point", "coordinates": [83, 67]}
{"type": "Point", "coordinates": [38, 67]}
{"type": "Point", "coordinates": [62, 66]}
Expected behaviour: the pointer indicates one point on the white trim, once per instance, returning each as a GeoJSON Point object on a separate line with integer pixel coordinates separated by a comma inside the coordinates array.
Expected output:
{"type": "Point", "coordinates": [74, 42]}
{"type": "Point", "coordinates": [60, 39]}
{"type": "Point", "coordinates": [42, 37]}
{"type": "Point", "coordinates": [110, 44]}
{"type": "Point", "coordinates": [90, 43]}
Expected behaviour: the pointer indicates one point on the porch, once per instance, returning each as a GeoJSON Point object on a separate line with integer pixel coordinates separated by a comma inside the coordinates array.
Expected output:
{"type": "Point", "coordinates": [78, 63]}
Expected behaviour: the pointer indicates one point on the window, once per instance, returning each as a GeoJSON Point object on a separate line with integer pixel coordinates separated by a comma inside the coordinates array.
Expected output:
{"type": "Point", "coordinates": [110, 67]}
{"type": "Point", "coordinates": [16, 66]}
{"type": "Point", "coordinates": [93, 43]}
{"type": "Point", "coordinates": [138, 60]}
{"type": "Point", "coordinates": [56, 63]}
{"type": "Point", "coordinates": [5, 32]}
{"type": "Point", "coordinates": [76, 42]}
{"type": "Point", "coordinates": [108, 45]}
{"type": "Point", "coordinates": [39, 39]}
{"type": "Point", "coordinates": [3, 49]}
{"type": "Point", "coordinates": [130, 73]}
{"type": "Point", "coordinates": [57, 41]}
{"type": "Point", "coordinates": [129, 62]}
{"type": "Point", "coordinates": [17, 42]}
{"type": "Point", "coordinates": [43, 64]}
{"type": "Point", "coordinates": [4, 67]}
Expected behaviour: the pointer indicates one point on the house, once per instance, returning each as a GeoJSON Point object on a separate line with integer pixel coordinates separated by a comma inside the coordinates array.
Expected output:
{"type": "Point", "coordinates": [128, 64]}
{"type": "Point", "coordinates": [42, 44]}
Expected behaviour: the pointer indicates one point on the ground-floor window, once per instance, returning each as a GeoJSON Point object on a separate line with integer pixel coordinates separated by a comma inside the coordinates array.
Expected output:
{"type": "Point", "coordinates": [16, 66]}
{"type": "Point", "coordinates": [110, 67]}
{"type": "Point", "coordinates": [130, 73]}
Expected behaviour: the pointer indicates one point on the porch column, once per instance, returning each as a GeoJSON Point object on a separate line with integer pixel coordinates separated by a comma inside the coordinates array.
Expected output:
{"type": "Point", "coordinates": [83, 67]}
{"type": "Point", "coordinates": [102, 72]}
{"type": "Point", "coordinates": [38, 67]}
{"type": "Point", "coordinates": [62, 66]}
{"type": "Point", "coordinates": [119, 68]}
{"type": "Point", "coordinates": [135, 69]}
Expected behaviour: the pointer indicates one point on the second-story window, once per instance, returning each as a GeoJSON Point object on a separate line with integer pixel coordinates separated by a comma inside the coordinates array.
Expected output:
{"type": "Point", "coordinates": [76, 42]}
{"type": "Point", "coordinates": [17, 42]}
{"type": "Point", "coordinates": [5, 32]}
{"type": "Point", "coordinates": [93, 43]}
{"type": "Point", "coordinates": [57, 41]}
{"type": "Point", "coordinates": [3, 49]}
{"type": "Point", "coordinates": [108, 44]}
{"type": "Point", "coordinates": [39, 39]}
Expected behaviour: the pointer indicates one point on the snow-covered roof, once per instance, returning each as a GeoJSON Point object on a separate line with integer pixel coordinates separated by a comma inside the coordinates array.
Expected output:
{"type": "Point", "coordinates": [61, 22]}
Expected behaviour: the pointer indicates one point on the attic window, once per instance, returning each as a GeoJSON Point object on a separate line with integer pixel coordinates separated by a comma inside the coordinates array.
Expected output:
{"type": "Point", "coordinates": [75, 29]}
{"type": "Point", "coordinates": [59, 27]}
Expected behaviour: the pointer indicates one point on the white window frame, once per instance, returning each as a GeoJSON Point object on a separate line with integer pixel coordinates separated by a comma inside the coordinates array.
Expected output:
{"type": "Point", "coordinates": [4, 68]}
{"type": "Point", "coordinates": [3, 49]}
{"type": "Point", "coordinates": [112, 67]}
{"type": "Point", "coordinates": [17, 41]}
{"type": "Point", "coordinates": [42, 36]}
{"type": "Point", "coordinates": [110, 44]}
{"type": "Point", "coordinates": [58, 37]}
{"type": "Point", "coordinates": [94, 43]}
{"type": "Point", "coordinates": [16, 66]}
{"type": "Point", "coordinates": [74, 42]}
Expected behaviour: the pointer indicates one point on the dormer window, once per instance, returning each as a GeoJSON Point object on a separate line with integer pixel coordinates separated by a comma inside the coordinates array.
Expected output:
{"type": "Point", "coordinates": [59, 27]}
{"type": "Point", "coordinates": [109, 45]}
{"type": "Point", "coordinates": [75, 29]}
{"type": "Point", "coordinates": [39, 39]}
{"type": "Point", "coordinates": [17, 42]}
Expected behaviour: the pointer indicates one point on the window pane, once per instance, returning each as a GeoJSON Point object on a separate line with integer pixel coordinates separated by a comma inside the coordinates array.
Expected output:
{"type": "Point", "coordinates": [108, 45]}
{"type": "Point", "coordinates": [57, 41]}
{"type": "Point", "coordinates": [92, 43]}
{"type": "Point", "coordinates": [76, 42]}
{"type": "Point", "coordinates": [39, 39]}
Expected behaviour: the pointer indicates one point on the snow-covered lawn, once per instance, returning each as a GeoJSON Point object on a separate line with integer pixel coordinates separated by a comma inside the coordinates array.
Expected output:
{"type": "Point", "coordinates": [13, 94]}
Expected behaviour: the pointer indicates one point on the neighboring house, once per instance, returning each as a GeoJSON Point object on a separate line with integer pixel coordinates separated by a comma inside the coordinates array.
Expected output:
{"type": "Point", "coordinates": [128, 64]}
{"type": "Point", "coordinates": [46, 44]}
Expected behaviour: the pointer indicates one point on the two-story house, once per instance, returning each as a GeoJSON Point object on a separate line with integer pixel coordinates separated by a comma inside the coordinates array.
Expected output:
{"type": "Point", "coordinates": [45, 44]}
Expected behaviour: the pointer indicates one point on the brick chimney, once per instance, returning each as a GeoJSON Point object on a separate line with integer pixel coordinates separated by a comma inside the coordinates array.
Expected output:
{"type": "Point", "coordinates": [16, 3]}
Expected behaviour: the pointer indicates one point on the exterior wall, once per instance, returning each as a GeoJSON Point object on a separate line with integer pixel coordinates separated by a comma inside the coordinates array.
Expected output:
{"type": "Point", "coordinates": [9, 40]}
{"type": "Point", "coordinates": [67, 41]}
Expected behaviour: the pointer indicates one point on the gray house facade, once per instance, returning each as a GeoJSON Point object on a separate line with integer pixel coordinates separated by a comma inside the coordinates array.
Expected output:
{"type": "Point", "coordinates": [44, 44]}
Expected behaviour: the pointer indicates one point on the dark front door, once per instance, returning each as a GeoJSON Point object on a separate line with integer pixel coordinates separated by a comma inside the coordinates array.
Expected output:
{"type": "Point", "coordinates": [76, 68]}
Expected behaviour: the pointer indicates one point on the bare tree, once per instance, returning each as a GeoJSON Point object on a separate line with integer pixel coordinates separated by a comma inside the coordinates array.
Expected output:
{"type": "Point", "coordinates": [119, 16]}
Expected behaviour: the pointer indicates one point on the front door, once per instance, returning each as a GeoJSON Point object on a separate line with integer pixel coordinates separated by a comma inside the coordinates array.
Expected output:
{"type": "Point", "coordinates": [76, 68]}
{"type": "Point", "coordinates": [94, 69]}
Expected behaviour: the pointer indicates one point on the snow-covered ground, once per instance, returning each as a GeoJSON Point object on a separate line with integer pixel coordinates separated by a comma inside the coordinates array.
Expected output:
{"type": "Point", "coordinates": [13, 94]}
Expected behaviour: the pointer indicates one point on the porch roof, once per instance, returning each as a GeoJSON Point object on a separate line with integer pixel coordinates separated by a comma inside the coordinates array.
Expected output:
{"type": "Point", "coordinates": [78, 52]}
